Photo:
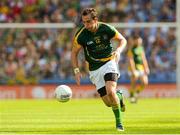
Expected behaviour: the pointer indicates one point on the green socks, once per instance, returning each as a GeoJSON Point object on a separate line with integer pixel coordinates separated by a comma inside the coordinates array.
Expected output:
{"type": "Point", "coordinates": [117, 114]}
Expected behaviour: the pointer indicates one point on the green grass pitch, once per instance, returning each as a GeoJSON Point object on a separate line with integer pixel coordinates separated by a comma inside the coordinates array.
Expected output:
{"type": "Point", "coordinates": [88, 116]}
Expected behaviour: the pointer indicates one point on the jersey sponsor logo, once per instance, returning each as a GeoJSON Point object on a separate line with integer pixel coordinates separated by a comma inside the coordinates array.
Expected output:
{"type": "Point", "coordinates": [97, 39]}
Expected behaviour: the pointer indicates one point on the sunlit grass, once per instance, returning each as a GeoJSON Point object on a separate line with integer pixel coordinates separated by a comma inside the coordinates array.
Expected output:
{"type": "Point", "coordinates": [88, 116]}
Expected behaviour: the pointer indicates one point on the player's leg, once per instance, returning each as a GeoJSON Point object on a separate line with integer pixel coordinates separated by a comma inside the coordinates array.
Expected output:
{"type": "Point", "coordinates": [144, 83]}
{"type": "Point", "coordinates": [98, 80]}
{"type": "Point", "coordinates": [111, 92]}
{"type": "Point", "coordinates": [105, 77]}
{"type": "Point", "coordinates": [111, 84]}
{"type": "Point", "coordinates": [132, 90]}
{"type": "Point", "coordinates": [133, 81]}
{"type": "Point", "coordinates": [103, 94]}
{"type": "Point", "coordinates": [121, 100]}
{"type": "Point", "coordinates": [106, 100]}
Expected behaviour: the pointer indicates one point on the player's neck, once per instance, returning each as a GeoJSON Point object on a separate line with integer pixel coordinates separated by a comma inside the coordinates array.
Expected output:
{"type": "Point", "coordinates": [95, 28]}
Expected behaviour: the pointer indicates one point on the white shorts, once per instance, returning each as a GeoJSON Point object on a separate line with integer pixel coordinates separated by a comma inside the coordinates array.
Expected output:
{"type": "Point", "coordinates": [138, 73]}
{"type": "Point", "coordinates": [97, 76]}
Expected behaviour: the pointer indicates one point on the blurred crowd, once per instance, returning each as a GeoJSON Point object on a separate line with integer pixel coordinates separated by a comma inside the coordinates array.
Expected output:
{"type": "Point", "coordinates": [55, 11]}
{"type": "Point", "coordinates": [27, 55]}
{"type": "Point", "coordinates": [30, 55]}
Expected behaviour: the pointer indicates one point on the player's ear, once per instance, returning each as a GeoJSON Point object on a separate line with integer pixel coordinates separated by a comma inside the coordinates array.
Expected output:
{"type": "Point", "coordinates": [95, 19]}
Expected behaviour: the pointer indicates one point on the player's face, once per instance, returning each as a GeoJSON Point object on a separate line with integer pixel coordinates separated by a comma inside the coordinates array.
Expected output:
{"type": "Point", "coordinates": [89, 23]}
{"type": "Point", "coordinates": [138, 41]}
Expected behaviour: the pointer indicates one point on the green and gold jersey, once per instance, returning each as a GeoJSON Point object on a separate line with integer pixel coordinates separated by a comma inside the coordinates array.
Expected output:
{"type": "Point", "coordinates": [97, 46]}
{"type": "Point", "coordinates": [136, 53]}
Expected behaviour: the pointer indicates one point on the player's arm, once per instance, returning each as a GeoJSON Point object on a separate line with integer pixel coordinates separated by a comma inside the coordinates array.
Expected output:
{"type": "Point", "coordinates": [121, 44]}
{"type": "Point", "coordinates": [131, 63]}
{"type": "Point", "coordinates": [74, 60]}
{"type": "Point", "coordinates": [145, 63]}
{"type": "Point", "coordinates": [122, 41]}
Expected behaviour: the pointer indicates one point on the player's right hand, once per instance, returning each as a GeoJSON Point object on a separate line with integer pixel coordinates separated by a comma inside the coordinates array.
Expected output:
{"type": "Point", "coordinates": [78, 78]}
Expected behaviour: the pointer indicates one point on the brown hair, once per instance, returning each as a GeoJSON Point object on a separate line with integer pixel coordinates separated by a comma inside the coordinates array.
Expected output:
{"type": "Point", "coordinates": [90, 11]}
{"type": "Point", "coordinates": [136, 36]}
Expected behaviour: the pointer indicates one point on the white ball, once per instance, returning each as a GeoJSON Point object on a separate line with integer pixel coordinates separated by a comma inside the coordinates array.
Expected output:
{"type": "Point", "coordinates": [63, 93]}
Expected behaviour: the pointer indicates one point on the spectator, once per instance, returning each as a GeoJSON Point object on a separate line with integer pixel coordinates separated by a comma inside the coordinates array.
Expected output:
{"type": "Point", "coordinates": [67, 10]}
{"type": "Point", "coordinates": [45, 53]}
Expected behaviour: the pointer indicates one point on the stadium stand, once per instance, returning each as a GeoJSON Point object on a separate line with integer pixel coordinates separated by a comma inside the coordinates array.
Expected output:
{"type": "Point", "coordinates": [38, 54]}
{"type": "Point", "coordinates": [58, 11]}
{"type": "Point", "coordinates": [29, 56]}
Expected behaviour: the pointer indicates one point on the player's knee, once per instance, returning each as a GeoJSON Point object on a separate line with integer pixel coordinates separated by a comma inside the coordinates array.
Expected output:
{"type": "Point", "coordinates": [145, 83]}
{"type": "Point", "coordinates": [110, 93]}
{"type": "Point", "coordinates": [134, 79]}
{"type": "Point", "coordinates": [145, 80]}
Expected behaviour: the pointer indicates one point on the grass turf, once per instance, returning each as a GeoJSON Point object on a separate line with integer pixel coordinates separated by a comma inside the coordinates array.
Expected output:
{"type": "Point", "coordinates": [88, 116]}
